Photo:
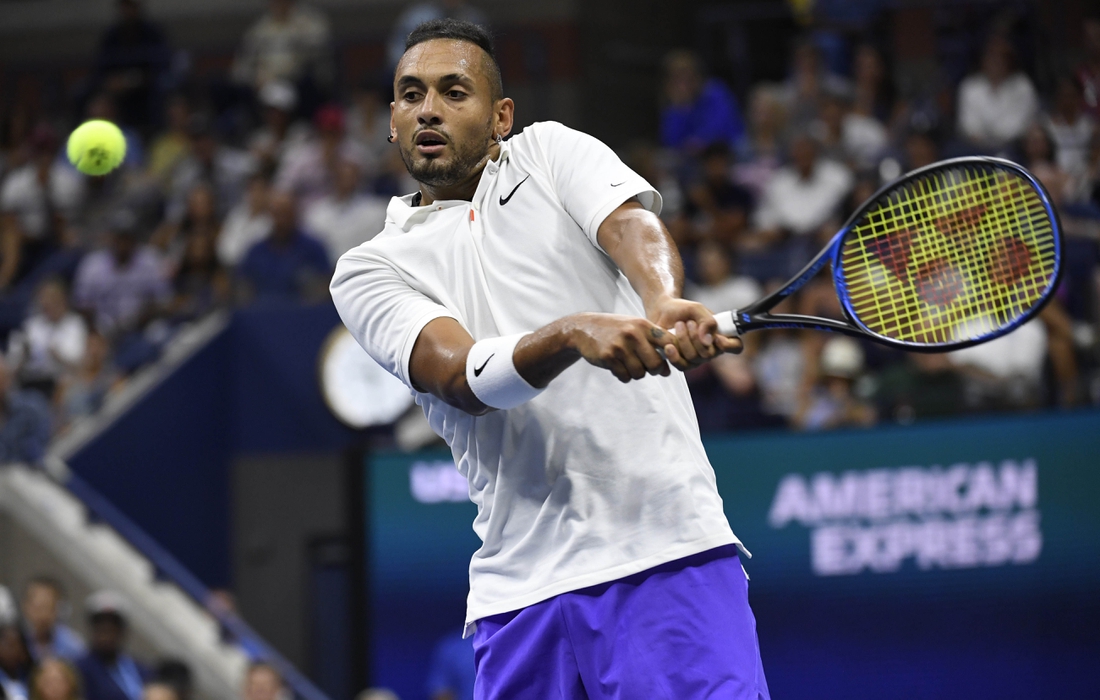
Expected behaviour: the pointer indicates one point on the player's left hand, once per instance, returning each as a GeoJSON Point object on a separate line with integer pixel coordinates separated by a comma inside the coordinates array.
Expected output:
{"type": "Point", "coordinates": [696, 332]}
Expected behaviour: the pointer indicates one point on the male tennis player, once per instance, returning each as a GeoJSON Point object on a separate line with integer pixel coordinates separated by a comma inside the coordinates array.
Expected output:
{"type": "Point", "coordinates": [607, 568]}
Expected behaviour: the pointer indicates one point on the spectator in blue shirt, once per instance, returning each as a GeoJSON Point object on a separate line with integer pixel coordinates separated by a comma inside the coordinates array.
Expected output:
{"type": "Point", "coordinates": [288, 265]}
{"type": "Point", "coordinates": [108, 672]}
{"type": "Point", "coordinates": [699, 111]}
{"type": "Point", "coordinates": [24, 422]}
{"type": "Point", "coordinates": [48, 636]}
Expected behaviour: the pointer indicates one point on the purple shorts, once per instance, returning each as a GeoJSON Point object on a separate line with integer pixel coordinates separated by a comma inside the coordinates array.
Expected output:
{"type": "Point", "coordinates": [679, 631]}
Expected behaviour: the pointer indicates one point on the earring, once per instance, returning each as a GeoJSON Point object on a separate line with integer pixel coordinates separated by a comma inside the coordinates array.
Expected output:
{"type": "Point", "coordinates": [390, 138]}
{"type": "Point", "coordinates": [498, 138]}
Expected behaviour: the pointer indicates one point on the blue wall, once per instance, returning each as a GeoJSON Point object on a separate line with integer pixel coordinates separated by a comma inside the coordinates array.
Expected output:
{"type": "Point", "coordinates": [252, 390]}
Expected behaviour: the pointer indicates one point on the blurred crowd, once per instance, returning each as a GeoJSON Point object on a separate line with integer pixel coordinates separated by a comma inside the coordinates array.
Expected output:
{"type": "Point", "coordinates": [244, 188]}
{"type": "Point", "coordinates": [751, 194]}
{"type": "Point", "coordinates": [43, 658]}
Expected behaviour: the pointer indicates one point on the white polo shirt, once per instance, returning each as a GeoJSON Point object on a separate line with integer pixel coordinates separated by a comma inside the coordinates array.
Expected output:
{"type": "Point", "coordinates": [593, 480]}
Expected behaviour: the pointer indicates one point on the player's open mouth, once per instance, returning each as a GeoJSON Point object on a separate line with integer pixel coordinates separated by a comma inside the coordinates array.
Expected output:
{"type": "Point", "coordinates": [430, 143]}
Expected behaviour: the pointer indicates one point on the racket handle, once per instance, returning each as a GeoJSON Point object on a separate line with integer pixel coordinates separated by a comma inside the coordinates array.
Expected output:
{"type": "Point", "coordinates": [726, 325]}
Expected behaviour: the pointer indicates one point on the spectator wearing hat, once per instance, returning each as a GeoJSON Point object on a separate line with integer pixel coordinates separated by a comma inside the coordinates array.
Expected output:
{"type": "Point", "coordinates": [108, 671]}
{"type": "Point", "coordinates": [24, 422]}
{"type": "Point", "coordinates": [48, 636]}
{"type": "Point", "coordinates": [288, 265]}
{"type": "Point", "coordinates": [279, 132]}
{"type": "Point", "coordinates": [37, 202]}
{"type": "Point", "coordinates": [223, 168]}
{"type": "Point", "coordinates": [124, 285]}
{"type": "Point", "coordinates": [831, 403]}
{"type": "Point", "coordinates": [309, 169]}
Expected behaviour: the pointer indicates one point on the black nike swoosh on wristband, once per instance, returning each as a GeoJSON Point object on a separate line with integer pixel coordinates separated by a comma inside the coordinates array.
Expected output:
{"type": "Point", "coordinates": [477, 370]}
{"type": "Point", "coordinates": [504, 200]}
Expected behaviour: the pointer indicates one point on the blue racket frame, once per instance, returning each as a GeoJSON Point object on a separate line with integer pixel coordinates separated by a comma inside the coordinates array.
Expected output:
{"type": "Point", "coordinates": [756, 316]}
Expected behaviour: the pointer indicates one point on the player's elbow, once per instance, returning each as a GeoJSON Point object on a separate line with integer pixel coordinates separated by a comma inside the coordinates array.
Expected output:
{"type": "Point", "coordinates": [456, 392]}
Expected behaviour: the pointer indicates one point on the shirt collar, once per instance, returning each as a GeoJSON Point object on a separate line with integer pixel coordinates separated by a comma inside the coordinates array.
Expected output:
{"type": "Point", "coordinates": [401, 211]}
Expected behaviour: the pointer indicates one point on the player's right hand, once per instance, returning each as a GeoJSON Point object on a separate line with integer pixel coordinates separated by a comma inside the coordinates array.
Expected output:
{"type": "Point", "coordinates": [625, 345]}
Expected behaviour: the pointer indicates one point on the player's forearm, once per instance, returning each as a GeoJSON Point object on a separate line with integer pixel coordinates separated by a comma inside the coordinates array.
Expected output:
{"type": "Point", "coordinates": [543, 355]}
{"type": "Point", "coordinates": [638, 243]}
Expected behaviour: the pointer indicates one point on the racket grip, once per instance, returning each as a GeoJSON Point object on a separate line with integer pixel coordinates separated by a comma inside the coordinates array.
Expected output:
{"type": "Point", "coordinates": [726, 325]}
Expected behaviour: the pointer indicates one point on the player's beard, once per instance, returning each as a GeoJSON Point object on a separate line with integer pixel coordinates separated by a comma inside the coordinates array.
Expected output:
{"type": "Point", "coordinates": [466, 158]}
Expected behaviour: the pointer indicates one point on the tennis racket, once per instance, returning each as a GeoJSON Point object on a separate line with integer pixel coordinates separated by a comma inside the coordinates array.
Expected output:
{"type": "Point", "coordinates": [951, 255]}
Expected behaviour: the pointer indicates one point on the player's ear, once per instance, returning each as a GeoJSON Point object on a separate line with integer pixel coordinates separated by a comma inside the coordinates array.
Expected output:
{"type": "Point", "coordinates": [503, 117]}
{"type": "Point", "coordinates": [393, 128]}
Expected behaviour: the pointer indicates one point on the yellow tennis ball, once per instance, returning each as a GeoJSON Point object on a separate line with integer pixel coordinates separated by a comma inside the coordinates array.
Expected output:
{"type": "Point", "coordinates": [96, 147]}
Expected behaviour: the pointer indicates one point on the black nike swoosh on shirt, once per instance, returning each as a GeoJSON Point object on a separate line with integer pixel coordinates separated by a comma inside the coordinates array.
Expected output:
{"type": "Point", "coordinates": [477, 370]}
{"type": "Point", "coordinates": [616, 184]}
{"type": "Point", "coordinates": [504, 200]}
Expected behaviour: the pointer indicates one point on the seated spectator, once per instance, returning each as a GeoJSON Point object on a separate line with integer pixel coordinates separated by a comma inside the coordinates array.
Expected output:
{"type": "Point", "coordinates": [831, 402]}
{"type": "Point", "coordinates": [1088, 71]}
{"type": "Point", "coordinates": [997, 104]}
{"type": "Point", "coordinates": [717, 206]}
{"type": "Point", "coordinates": [1038, 157]}
{"type": "Point", "coordinates": [108, 671]}
{"type": "Point", "coordinates": [225, 169]}
{"type": "Point", "coordinates": [133, 60]}
{"type": "Point", "coordinates": [809, 83]}
{"type": "Point", "coordinates": [159, 691]}
{"type": "Point", "coordinates": [51, 341]}
{"type": "Point", "coordinates": [803, 195]}
{"type": "Point", "coordinates": [1071, 129]}
{"type": "Point", "coordinates": [698, 111]}
{"type": "Point", "coordinates": [262, 682]}
{"type": "Point", "coordinates": [925, 385]}
{"type": "Point", "coordinates": [248, 223]}
{"type": "Point", "coordinates": [48, 636]}
{"type": "Point", "coordinates": [200, 284]}
{"type": "Point", "coordinates": [24, 422]}
{"type": "Point", "coordinates": [37, 203]}
{"type": "Point", "coordinates": [173, 145]}
{"type": "Point", "coordinates": [279, 133]}
{"type": "Point", "coordinates": [761, 154]}
{"type": "Point", "coordinates": [200, 218]}
{"type": "Point", "coordinates": [55, 679]}
{"type": "Point", "coordinates": [347, 217]}
{"type": "Point", "coordinates": [291, 42]}
{"type": "Point", "coordinates": [920, 150]}
{"type": "Point", "coordinates": [123, 286]}
{"type": "Point", "coordinates": [718, 289]}
{"type": "Point", "coordinates": [778, 366]}
{"type": "Point", "coordinates": [82, 393]}
{"type": "Point", "coordinates": [368, 124]}
{"type": "Point", "coordinates": [288, 265]}
{"type": "Point", "coordinates": [309, 169]}
{"type": "Point", "coordinates": [848, 137]}
{"type": "Point", "coordinates": [15, 662]}
{"type": "Point", "coordinates": [871, 94]}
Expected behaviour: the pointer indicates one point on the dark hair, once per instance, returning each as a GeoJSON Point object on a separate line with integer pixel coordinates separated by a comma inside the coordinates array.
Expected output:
{"type": "Point", "coordinates": [461, 30]}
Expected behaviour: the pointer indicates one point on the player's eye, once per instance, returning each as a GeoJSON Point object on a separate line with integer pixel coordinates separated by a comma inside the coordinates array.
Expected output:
{"type": "Point", "coordinates": [410, 95]}
{"type": "Point", "coordinates": [456, 94]}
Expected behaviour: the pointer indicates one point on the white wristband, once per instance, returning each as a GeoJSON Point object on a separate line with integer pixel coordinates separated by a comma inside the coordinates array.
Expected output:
{"type": "Point", "coordinates": [492, 374]}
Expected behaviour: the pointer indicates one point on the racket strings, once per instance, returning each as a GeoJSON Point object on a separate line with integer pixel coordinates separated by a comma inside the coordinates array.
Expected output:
{"type": "Point", "coordinates": [951, 256]}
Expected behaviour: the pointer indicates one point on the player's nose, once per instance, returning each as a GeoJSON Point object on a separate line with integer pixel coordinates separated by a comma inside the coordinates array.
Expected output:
{"type": "Point", "coordinates": [429, 112]}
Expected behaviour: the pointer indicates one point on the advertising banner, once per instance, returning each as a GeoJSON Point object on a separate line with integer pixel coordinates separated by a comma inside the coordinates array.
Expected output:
{"type": "Point", "coordinates": [948, 560]}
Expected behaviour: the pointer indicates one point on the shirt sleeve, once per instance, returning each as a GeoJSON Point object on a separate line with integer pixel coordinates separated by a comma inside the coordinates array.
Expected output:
{"type": "Point", "coordinates": [590, 180]}
{"type": "Point", "coordinates": [384, 313]}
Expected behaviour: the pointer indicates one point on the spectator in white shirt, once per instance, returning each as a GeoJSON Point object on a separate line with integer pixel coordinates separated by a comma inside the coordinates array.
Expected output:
{"type": "Point", "coordinates": [997, 104]}
{"type": "Point", "coordinates": [803, 195]}
{"type": "Point", "coordinates": [248, 223]}
{"type": "Point", "coordinates": [347, 217]}
{"type": "Point", "coordinates": [279, 132]}
{"type": "Point", "coordinates": [51, 341]}
{"type": "Point", "coordinates": [226, 169]}
{"type": "Point", "coordinates": [308, 169]}
{"type": "Point", "coordinates": [36, 203]}
{"type": "Point", "coordinates": [1071, 129]}
{"type": "Point", "coordinates": [291, 42]}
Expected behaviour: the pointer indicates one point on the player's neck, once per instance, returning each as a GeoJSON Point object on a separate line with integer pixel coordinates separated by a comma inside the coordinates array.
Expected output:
{"type": "Point", "coordinates": [464, 189]}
